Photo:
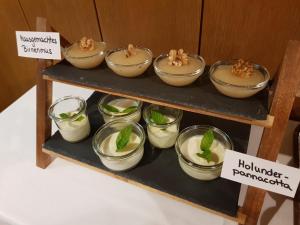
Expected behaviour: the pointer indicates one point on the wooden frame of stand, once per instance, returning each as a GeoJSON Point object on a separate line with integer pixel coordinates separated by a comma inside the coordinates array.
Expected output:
{"type": "Point", "coordinates": [284, 93]}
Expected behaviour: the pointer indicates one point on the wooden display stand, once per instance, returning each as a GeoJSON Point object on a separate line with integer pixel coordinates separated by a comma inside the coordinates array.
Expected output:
{"type": "Point", "coordinates": [284, 92]}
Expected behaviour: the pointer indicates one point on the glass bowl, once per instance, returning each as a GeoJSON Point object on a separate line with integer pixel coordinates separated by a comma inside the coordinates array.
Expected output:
{"type": "Point", "coordinates": [69, 114]}
{"type": "Point", "coordinates": [114, 161]}
{"type": "Point", "coordinates": [129, 70]}
{"type": "Point", "coordinates": [196, 170]}
{"type": "Point", "coordinates": [121, 103]}
{"type": "Point", "coordinates": [162, 135]}
{"type": "Point", "coordinates": [88, 60]}
{"type": "Point", "coordinates": [179, 79]}
{"type": "Point", "coordinates": [234, 90]}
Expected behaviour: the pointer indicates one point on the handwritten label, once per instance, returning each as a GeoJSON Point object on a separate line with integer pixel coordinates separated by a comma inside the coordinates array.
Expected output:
{"type": "Point", "coordinates": [260, 173]}
{"type": "Point", "coordinates": [43, 45]}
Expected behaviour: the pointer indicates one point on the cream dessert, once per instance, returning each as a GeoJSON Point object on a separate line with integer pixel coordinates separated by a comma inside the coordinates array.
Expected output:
{"type": "Point", "coordinates": [178, 68]}
{"type": "Point", "coordinates": [86, 53]}
{"type": "Point", "coordinates": [162, 125]}
{"type": "Point", "coordinates": [201, 151]}
{"type": "Point", "coordinates": [163, 137]}
{"type": "Point", "coordinates": [119, 144]}
{"type": "Point", "coordinates": [69, 114]}
{"type": "Point", "coordinates": [74, 130]}
{"type": "Point", "coordinates": [238, 80]}
{"type": "Point", "coordinates": [109, 147]}
{"type": "Point", "coordinates": [129, 62]}
{"type": "Point", "coordinates": [113, 107]}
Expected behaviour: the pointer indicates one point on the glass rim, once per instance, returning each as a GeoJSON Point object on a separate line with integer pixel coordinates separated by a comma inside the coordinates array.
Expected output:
{"type": "Point", "coordinates": [102, 52]}
{"type": "Point", "coordinates": [102, 100]}
{"type": "Point", "coordinates": [149, 122]}
{"type": "Point", "coordinates": [108, 53]}
{"type": "Point", "coordinates": [258, 67]}
{"type": "Point", "coordinates": [195, 73]}
{"type": "Point", "coordinates": [96, 146]}
{"type": "Point", "coordinates": [81, 108]}
{"type": "Point", "coordinates": [193, 164]}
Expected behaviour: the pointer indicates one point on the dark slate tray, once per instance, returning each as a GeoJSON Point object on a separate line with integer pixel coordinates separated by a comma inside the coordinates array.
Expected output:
{"type": "Point", "coordinates": [159, 169]}
{"type": "Point", "coordinates": [199, 95]}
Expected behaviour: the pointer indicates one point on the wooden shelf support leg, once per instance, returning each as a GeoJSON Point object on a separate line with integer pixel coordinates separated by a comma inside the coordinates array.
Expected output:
{"type": "Point", "coordinates": [286, 88]}
{"type": "Point", "coordinates": [43, 101]}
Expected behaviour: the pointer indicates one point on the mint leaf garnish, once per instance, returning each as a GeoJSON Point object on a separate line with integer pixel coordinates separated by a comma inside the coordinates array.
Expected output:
{"type": "Point", "coordinates": [158, 118]}
{"type": "Point", "coordinates": [205, 145]}
{"type": "Point", "coordinates": [130, 109]}
{"type": "Point", "coordinates": [64, 116]}
{"type": "Point", "coordinates": [110, 108]}
{"type": "Point", "coordinates": [123, 138]}
{"type": "Point", "coordinates": [81, 117]}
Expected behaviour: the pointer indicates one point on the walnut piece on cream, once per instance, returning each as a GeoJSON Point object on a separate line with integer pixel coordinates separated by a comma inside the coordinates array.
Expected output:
{"type": "Point", "coordinates": [87, 44]}
{"type": "Point", "coordinates": [242, 69]}
{"type": "Point", "coordinates": [130, 50]}
{"type": "Point", "coordinates": [177, 58]}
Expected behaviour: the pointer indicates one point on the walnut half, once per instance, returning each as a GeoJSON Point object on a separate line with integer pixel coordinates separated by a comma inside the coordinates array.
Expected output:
{"type": "Point", "coordinates": [130, 50]}
{"type": "Point", "coordinates": [87, 44]}
{"type": "Point", "coordinates": [177, 58]}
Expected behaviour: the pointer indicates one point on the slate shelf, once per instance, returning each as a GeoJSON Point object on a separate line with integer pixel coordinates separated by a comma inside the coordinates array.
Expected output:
{"type": "Point", "coordinates": [159, 170]}
{"type": "Point", "coordinates": [200, 97]}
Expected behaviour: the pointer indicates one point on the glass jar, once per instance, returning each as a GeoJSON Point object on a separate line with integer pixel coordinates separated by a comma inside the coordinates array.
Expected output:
{"type": "Point", "coordinates": [104, 145]}
{"type": "Point", "coordinates": [184, 148]}
{"type": "Point", "coordinates": [122, 105]}
{"type": "Point", "coordinates": [69, 114]}
{"type": "Point", "coordinates": [162, 135]}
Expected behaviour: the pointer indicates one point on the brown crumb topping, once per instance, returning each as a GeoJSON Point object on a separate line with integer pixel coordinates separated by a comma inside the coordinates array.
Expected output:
{"type": "Point", "coordinates": [87, 44]}
{"type": "Point", "coordinates": [177, 58]}
{"type": "Point", "coordinates": [242, 68]}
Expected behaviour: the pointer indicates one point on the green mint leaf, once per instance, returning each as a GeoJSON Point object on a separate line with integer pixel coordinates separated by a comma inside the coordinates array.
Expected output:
{"type": "Point", "coordinates": [64, 116]}
{"type": "Point", "coordinates": [205, 155]}
{"type": "Point", "coordinates": [110, 108]}
{"type": "Point", "coordinates": [205, 145]}
{"type": "Point", "coordinates": [207, 140]}
{"type": "Point", "coordinates": [81, 117]}
{"type": "Point", "coordinates": [123, 138]}
{"type": "Point", "coordinates": [130, 109]}
{"type": "Point", "coordinates": [158, 118]}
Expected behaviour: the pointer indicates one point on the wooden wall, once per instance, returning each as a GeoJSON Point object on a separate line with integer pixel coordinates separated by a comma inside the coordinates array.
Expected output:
{"type": "Point", "coordinates": [217, 29]}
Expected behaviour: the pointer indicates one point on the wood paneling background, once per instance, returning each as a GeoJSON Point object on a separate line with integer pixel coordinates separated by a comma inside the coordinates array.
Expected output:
{"type": "Point", "coordinates": [16, 73]}
{"type": "Point", "coordinates": [158, 25]}
{"type": "Point", "coordinates": [218, 29]}
{"type": "Point", "coordinates": [72, 18]}
{"type": "Point", "coordinates": [257, 30]}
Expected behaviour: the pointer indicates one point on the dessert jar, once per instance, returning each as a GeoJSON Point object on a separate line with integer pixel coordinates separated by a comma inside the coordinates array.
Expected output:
{"type": "Point", "coordinates": [85, 54]}
{"type": "Point", "coordinates": [105, 145]}
{"type": "Point", "coordinates": [188, 145]}
{"type": "Point", "coordinates": [130, 62]}
{"type": "Point", "coordinates": [69, 114]}
{"type": "Point", "coordinates": [176, 73]}
{"type": "Point", "coordinates": [113, 108]}
{"type": "Point", "coordinates": [162, 134]}
{"type": "Point", "coordinates": [227, 81]}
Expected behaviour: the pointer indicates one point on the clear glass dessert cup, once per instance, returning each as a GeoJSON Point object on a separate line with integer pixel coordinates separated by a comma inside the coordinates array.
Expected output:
{"type": "Point", "coordinates": [86, 62]}
{"type": "Point", "coordinates": [69, 114]}
{"type": "Point", "coordinates": [124, 162]}
{"type": "Point", "coordinates": [178, 79]}
{"type": "Point", "coordinates": [197, 171]}
{"type": "Point", "coordinates": [132, 70]}
{"type": "Point", "coordinates": [162, 136]}
{"type": "Point", "coordinates": [133, 116]}
{"type": "Point", "coordinates": [238, 91]}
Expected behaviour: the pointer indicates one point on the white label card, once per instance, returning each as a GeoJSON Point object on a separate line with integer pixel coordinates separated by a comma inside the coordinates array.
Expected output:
{"type": "Point", "coordinates": [260, 173]}
{"type": "Point", "coordinates": [43, 45]}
